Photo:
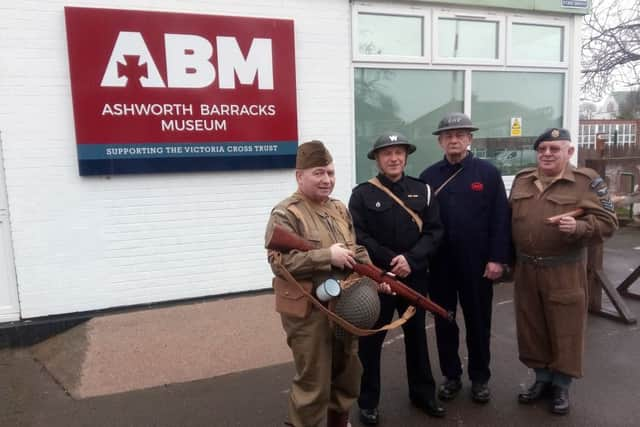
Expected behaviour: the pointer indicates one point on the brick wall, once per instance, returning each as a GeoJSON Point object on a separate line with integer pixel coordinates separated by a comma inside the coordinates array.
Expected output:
{"type": "Point", "coordinates": [84, 243]}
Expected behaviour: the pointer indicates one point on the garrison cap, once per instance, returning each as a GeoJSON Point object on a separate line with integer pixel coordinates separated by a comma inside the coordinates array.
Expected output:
{"type": "Point", "coordinates": [455, 121]}
{"type": "Point", "coordinates": [312, 154]}
{"type": "Point", "coordinates": [389, 139]}
{"type": "Point", "coordinates": [552, 134]}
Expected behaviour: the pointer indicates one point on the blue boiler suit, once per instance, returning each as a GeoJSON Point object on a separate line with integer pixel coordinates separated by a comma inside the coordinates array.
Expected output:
{"type": "Point", "coordinates": [476, 218]}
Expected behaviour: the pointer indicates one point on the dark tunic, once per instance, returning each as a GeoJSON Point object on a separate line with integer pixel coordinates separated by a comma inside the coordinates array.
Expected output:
{"type": "Point", "coordinates": [476, 218]}
{"type": "Point", "coordinates": [387, 230]}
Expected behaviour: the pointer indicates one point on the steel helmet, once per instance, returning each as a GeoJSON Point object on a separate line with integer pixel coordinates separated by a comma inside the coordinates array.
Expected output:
{"type": "Point", "coordinates": [389, 139]}
{"type": "Point", "coordinates": [455, 121]}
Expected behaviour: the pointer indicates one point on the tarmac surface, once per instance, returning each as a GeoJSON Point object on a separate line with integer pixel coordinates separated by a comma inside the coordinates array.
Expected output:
{"type": "Point", "coordinates": [225, 363]}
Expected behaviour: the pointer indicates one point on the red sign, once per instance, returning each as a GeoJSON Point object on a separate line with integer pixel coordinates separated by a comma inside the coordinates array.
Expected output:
{"type": "Point", "coordinates": [157, 91]}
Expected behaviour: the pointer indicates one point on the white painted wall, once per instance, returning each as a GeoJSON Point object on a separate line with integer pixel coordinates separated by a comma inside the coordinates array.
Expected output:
{"type": "Point", "coordinates": [84, 243]}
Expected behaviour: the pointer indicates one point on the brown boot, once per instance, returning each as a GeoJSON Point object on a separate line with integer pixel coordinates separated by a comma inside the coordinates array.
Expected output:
{"type": "Point", "coordinates": [337, 419]}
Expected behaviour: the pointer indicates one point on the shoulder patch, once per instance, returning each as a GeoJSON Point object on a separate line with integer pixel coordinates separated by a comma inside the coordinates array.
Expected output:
{"type": "Point", "coordinates": [587, 172]}
{"type": "Point", "coordinates": [607, 204]}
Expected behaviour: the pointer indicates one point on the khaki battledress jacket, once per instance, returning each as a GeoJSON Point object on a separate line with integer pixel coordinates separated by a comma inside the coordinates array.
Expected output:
{"type": "Point", "coordinates": [550, 276]}
{"type": "Point", "coordinates": [328, 370]}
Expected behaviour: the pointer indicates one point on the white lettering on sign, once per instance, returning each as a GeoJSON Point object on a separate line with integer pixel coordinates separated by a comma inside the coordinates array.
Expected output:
{"type": "Point", "coordinates": [189, 62]}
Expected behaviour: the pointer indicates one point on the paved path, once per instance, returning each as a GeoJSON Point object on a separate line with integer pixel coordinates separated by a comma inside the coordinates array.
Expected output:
{"type": "Point", "coordinates": [254, 393]}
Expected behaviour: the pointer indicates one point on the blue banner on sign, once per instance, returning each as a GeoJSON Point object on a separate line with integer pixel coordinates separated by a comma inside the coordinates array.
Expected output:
{"type": "Point", "coordinates": [184, 150]}
{"type": "Point", "coordinates": [575, 3]}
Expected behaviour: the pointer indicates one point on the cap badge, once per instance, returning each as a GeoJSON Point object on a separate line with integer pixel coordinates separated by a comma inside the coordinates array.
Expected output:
{"type": "Point", "coordinates": [555, 133]}
{"type": "Point", "coordinates": [393, 138]}
{"type": "Point", "coordinates": [377, 204]}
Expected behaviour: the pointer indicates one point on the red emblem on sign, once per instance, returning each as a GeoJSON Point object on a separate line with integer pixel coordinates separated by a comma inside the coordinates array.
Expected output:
{"type": "Point", "coordinates": [477, 186]}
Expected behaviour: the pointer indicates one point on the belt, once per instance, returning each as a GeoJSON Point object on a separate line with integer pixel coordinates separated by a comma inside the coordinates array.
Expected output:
{"type": "Point", "coordinates": [550, 261]}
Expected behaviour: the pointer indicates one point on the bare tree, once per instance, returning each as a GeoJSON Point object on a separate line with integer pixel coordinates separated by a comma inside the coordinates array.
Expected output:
{"type": "Point", "coordinates": [611, 46]}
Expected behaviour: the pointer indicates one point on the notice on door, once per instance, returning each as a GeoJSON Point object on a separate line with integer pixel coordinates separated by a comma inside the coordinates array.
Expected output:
{"type": "Point", "coordinates": [516, 126]}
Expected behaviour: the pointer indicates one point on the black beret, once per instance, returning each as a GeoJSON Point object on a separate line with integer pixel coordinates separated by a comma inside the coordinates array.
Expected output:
{"type": "Point", "coordinates": [552, 134]}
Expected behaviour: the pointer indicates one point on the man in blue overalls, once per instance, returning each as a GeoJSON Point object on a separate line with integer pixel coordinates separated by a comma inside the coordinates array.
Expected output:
{"type": "Point", "coordinates": [477, 242]}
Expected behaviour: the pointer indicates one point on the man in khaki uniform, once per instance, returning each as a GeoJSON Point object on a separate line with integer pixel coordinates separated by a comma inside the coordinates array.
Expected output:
{"type": "Point", "coordinates": [328, 370]}
{"type": "Point", "coordinates": [550, 274]}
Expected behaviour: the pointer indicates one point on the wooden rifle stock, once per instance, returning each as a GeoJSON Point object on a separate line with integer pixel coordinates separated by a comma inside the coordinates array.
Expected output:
{"type": "Point", "coordinates": [284, 241]}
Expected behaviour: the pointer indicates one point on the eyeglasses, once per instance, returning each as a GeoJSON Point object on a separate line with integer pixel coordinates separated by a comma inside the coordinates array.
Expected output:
{"type": "Point", "coordinates": [553, 149]}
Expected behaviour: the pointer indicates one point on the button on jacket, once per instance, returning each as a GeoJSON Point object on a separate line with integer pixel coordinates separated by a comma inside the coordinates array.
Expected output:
{"type": "Point", "coordinates": [387, 230]}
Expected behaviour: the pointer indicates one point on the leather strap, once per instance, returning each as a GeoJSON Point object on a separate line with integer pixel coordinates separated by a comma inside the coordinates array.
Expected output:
{"type": "Point", "coordinates": [376, 182]}
{"type": "Point", "coordinates": [444, 184]}
{"type": "Point", "coordinates": [352, 329]}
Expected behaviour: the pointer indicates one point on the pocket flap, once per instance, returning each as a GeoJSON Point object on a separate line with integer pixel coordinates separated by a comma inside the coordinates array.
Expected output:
{"type": "Point", "coordinates": [288, 290]}
{"type": "Point", "coordinates": [562, 199]}
{"type": "Point", "coordinates": [521, 195]}
{"type": "Point", "coordinates": [568, 297]}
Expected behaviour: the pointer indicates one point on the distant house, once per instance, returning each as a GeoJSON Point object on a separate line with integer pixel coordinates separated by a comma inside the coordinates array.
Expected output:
{"type": "Point", "coordinates": [607, 109]}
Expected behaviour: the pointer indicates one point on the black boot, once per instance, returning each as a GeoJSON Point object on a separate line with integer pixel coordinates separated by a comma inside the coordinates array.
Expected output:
{"type": "Point", "coordinates": [537, 391]}
{"type": "Point", "coordinates": [449, 389]}
{"type": "Point", "coordinates": [560, 403]}
{"type": "Point", "coordinates": [369, 417]}
{"type": "Point", "coordinates": [480, 392]}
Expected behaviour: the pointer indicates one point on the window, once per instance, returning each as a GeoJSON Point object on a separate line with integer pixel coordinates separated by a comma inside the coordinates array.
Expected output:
{"type": "Point", "coordinates": [408, 101]}
{"type": "Point", "coordinates": [416, 62]}
{"type": "Point", "coordinates": [459, 38]}
{"type": "Point", "coordinates": [389, 36]}
{"type": "Point", "coordinates": [537, 43]}
{"type": "Point", "coordinates": [467, 38]}
{"type": "Point", "coordinates": [497, 96]}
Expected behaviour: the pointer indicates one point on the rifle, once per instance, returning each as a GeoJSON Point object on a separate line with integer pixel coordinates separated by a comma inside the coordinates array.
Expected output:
{"type": "Point", "coordinates": [284, 241]}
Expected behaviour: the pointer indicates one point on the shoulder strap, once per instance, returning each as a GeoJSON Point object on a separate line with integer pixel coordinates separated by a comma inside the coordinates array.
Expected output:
{"type": "Point", "coordinates": [376, 182]}
{"type": "Point", "coordinates": [444, 184]}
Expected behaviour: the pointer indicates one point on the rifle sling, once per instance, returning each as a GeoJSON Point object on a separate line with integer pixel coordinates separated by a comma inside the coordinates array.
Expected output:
{"type": "Point", "coordinates": [376, 182]}
{"type": "Point", "coordinates": [349, 327]}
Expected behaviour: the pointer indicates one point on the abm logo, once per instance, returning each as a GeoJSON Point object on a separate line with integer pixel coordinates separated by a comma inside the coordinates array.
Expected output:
{"type": "Point", "coordinates": [189, 63]}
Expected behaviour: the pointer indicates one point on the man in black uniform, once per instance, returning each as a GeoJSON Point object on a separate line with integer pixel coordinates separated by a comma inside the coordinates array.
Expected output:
{"type": "Point", "coordinates": [396, 218]}
{"type": "Point", "coordinates": [477, 242]}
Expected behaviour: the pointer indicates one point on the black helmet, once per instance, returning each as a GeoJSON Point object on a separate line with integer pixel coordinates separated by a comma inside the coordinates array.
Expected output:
{"type": "Point", "coordinates": [388, 139]}
{"type": "Point", "coordinates": [455, 121]}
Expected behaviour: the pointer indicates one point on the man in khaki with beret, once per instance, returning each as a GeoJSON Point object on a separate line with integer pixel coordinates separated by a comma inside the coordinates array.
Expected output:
{"type": "Point", "coordinates": [550, 291]}
{"type": "Point", "coordinates": [328, 370]}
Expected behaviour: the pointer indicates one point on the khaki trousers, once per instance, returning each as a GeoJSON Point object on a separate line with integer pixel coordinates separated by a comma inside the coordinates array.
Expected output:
{"type": "Point", "coordinates": [551, 316]}
{"type": "Point", "coordinates": [328, 370]}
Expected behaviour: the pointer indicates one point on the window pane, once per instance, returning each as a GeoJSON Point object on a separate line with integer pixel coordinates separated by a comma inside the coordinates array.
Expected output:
{"type": "Point", "coordinates": [389, 35]}
{"type": "Point", "coordinates": [459, 38]}
{"type": "Point", "coordinates": [537, 42]}
{"type": "Point", "coordinates": [408, 101]}
{"type": "Point", "coordinates": [497, 97]}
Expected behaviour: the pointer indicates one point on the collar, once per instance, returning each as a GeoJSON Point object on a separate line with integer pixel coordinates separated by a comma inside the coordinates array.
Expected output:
{"type": "Point", "coordinates": [390, 184]}
{"type": "Point", "coordinates": [567, 174]}
{"type": "Point", "coordinates": [466, 162]}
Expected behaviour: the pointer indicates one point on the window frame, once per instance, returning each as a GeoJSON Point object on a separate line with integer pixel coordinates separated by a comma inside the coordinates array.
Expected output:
{"type": "Point", "coordinates": [464, 15]}
{"type": "Point", "coordinates": [429, 61]}
{"type": "Point", "coordinates": [413, 12]}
